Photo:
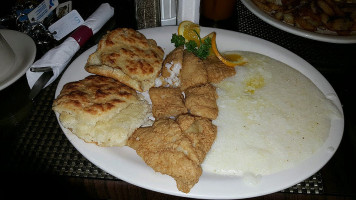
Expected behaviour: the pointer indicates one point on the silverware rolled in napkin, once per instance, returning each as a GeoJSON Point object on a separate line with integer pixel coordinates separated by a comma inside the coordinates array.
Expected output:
{"type": "Point", "coordinates": [58, 57]}
{"type": "Point", "coordinates": [40, 83]}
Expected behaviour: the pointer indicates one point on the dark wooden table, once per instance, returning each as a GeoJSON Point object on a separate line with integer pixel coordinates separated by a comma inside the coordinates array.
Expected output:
{"type": "Point", "coordinates": [38, 161]}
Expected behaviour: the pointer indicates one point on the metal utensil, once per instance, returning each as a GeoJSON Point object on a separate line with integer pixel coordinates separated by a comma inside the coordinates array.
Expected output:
{"type": "Point", "coordinates": [40, 83]}
{"type": "Point", "coordinates": [40, 69]}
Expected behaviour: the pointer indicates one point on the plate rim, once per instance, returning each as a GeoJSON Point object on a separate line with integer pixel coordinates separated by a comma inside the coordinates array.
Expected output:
{"type": "Point", "coordinates": [193, 194]}
{"type": "Point", "coordinates": [337, 39]}
{"type": "Point", "coordinates": [30, 50]}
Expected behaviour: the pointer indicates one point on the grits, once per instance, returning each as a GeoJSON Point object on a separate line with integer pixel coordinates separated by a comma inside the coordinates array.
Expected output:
{"type": "Point", "coordinates": [270, 118]}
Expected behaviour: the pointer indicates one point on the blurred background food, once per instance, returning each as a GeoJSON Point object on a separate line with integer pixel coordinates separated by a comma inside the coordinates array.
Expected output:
{"type": "Point", "coordinates": [334, 17]}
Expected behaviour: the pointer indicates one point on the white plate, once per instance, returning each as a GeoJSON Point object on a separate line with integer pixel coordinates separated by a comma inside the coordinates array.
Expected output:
{"type": "Point", "coordinates": [294, 30]}
{"type": "Point", "coordinates": [122, 162]}
{"type": "Point", "coordinates": [25, 51]}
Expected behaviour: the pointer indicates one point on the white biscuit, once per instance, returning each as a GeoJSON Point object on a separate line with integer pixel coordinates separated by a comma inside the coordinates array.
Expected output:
{"type": "Point", "coordinates": [127, 56]}
{"type": "Point", "coordinates": [101, 110]}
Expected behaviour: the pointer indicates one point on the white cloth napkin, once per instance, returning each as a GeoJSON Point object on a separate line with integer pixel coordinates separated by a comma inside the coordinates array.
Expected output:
{"type": "Point", "coordinates": [58, 57]}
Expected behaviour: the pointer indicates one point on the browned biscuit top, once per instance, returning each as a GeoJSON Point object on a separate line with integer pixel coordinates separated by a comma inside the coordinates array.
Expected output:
{"type": "Point", "coordinates": [127, 56]}
{"type": "Point", "coordinates": [129, 49]}
{"type": "Point", "coordinates": [94, 95]}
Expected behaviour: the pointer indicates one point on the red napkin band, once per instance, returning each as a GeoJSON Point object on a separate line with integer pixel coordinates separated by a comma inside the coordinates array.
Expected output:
{"type": "Point", "coordinates": [82, 34]}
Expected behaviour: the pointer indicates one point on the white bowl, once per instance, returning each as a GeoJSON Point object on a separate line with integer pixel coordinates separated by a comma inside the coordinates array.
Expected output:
{"type": "Point", "coordinates": [16, 56]}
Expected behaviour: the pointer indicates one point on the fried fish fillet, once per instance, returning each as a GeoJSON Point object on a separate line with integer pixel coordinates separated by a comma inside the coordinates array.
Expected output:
{"type": "Point", "coordinates": [200, 131]}
{"type": "Point", "coordinates": [167, 150]}
{"type": "Point", "coordinates": [167, 102]}
{"type": "Point", "coordinates": [127, 56]}
{"type": "Point", "coordinates": [201, 101]}
{"type": "Point", "coordinates": [101, 110]}
{"type": "Point", "coordinates": [172, 64]}
{"type": "Point", "coordinates": [193, 72]}
{"type": "Point", "coordinates": [217, 70]}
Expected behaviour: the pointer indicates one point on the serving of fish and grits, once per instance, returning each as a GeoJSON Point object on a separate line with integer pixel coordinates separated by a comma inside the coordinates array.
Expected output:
{"type": "Point", "coordinates": [199, 112]}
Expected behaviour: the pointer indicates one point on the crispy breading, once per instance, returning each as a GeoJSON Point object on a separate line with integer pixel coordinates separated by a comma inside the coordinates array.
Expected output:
{"type": "Point", "coordinates": [127, 56]}
{"type": "Point", "coordinates": [200, 131]}
{"type": "Point", "coordinates": [165, 149]}
{"type": "Point", "coordinates": [193, 72]}
{"type": "Point", "coordinates": [171, 67]}
{"type": "Point", "coordinates": [174, 57]}
{"type": "Point", "coordinates": [167, 102]}
{"type": "Point", "coordinates": [217, 70]}
{"type": "Point", "coordinates": [201, 101]}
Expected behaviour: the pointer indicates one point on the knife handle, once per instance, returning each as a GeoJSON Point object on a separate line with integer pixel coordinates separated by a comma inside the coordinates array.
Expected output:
{"type": "Point", "coordinates": [40, 69]}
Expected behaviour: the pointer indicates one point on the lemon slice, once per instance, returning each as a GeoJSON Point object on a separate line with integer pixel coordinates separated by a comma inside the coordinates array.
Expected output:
{"type": "Point", "coordinates": [190, 31]}
{"type": "Point", "coordinates": [230, 60]}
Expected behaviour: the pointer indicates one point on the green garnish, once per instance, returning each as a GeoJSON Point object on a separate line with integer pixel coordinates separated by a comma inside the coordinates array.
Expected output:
{"type": "Point", "coordinates": [178, 40]}
{"type": "Point", "coordinates": [202, 51]}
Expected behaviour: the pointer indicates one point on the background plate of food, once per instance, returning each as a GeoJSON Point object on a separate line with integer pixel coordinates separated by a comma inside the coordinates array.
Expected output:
{"type": "Point", "coordinates": [326, 20]}
{"type": "Point", "coordinates": [251, 123]}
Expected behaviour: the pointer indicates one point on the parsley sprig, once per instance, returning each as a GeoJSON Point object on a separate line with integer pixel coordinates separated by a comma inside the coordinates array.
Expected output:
{"type": "Point", "coordinates": [178, 40]}
{"type": "Point", "coordinates": [202, 51]}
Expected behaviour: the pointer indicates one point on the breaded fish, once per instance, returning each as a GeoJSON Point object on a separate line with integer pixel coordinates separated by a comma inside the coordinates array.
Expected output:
{"type": "Point", "coordinates": [217, 70]}
{"type": "Point", "coordinates": [167, 150]}
{"type": "Point", "coordinates": [193, 72]}
{"type": "Point", "coordinates": [200, 131]}
{"type": "Point", "coordinates": [171, 67]}
{"type": "Point", "coordinates": [167, 102]}
{"type": "Point", "coordinates": [201, 101]}
{"type": "Point", "coordinates": [174, 57]}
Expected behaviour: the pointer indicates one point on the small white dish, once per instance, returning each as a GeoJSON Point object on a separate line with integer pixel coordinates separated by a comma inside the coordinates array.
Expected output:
{"type": "Point", "coordinates": [7, 56]}
{"type": "Point", "coordinates": [297, 31]}
{"type": "Point", "coordinates": [24, 49]}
